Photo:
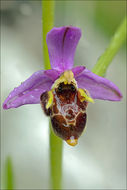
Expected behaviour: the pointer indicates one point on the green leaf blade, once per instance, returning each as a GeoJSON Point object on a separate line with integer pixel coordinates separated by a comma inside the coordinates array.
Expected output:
{"type": "Point", "coordinates": [105, 59]}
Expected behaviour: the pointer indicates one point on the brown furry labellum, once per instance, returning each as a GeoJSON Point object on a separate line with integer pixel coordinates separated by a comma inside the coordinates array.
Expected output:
{"type": "Point", "coordinates": [67, 111]}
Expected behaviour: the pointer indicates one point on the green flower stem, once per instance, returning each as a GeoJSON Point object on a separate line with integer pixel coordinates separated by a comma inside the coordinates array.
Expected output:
{"type": "Point", "coordinates": [114, 46]}
{"type": "Point", "coordinates": [9, 178]}
{"type": "Point", "coordinates": [56, 147]}
{"type": "Point", "coordinates": [47, 25]}
{"type": "Point", "coordinates": [56, 143]}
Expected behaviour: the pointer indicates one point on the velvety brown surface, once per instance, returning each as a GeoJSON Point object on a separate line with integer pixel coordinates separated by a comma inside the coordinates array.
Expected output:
{"type": "Point", "coordinates": [44, 99]}
{"type": "Point", "coordinates": [67, 112]}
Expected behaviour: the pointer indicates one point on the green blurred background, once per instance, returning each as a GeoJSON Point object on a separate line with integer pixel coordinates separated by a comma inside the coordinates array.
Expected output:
{"type": "Point", "coordinates": [99, 160]}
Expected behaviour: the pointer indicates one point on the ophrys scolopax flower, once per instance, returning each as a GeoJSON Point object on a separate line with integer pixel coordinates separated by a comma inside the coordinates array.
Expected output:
{"type": "Point", "coordinates": [63, 91]}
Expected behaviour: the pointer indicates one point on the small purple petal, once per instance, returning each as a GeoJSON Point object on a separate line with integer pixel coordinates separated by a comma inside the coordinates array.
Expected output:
{"type": "Point", "coordinates": [77, 70]}
{"type": "Point", "coordinates": [29, 91]}
{"type": "Point", "coordinates": [98, 87]}
{"type": "Point", "coordinates": [62, 43]}
{"type": "Point", "coordinates": [52, 74]}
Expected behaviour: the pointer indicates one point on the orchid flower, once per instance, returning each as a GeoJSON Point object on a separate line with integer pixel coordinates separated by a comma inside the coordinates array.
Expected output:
{"type": "Point", "coordinates": [63, 91]}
